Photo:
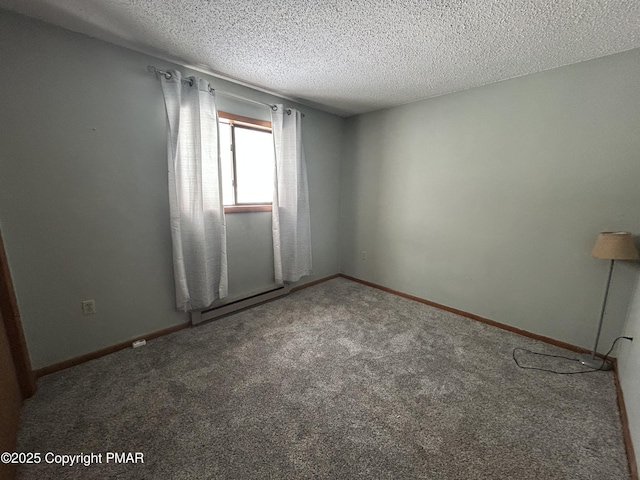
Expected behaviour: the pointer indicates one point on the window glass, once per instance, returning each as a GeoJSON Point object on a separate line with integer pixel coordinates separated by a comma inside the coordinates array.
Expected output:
{"type": "Point", "coordinates": [254, 165]}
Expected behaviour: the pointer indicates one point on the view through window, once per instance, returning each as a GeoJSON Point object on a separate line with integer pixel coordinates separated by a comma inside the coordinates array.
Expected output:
{"type": "Point", "coordinates": [246, 153]}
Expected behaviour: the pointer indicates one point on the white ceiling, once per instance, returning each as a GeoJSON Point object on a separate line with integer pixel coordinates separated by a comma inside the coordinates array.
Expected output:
{"type": "Point", "coordinates": [354, 56]}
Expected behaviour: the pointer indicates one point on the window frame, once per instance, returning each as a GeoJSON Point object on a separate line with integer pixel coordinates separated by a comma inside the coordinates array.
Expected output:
{"type": "Point", "coordinates": [252, 124]}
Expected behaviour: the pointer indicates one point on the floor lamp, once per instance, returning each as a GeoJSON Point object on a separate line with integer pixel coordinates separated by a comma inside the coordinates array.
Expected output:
{"type": "Point", "coordinates": [611, 246]}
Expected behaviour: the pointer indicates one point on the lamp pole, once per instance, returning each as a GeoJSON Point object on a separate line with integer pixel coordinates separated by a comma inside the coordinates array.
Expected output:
{"type": "Point", "coordinates": [600, 364]}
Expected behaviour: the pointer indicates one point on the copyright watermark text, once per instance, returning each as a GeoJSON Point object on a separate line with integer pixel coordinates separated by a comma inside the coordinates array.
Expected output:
{"type": "Point", "coordinates": [69, 460]}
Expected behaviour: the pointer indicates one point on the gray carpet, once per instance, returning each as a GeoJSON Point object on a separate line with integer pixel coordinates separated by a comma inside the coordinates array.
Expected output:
{"type": "Point", "coordinates": [337, 381]}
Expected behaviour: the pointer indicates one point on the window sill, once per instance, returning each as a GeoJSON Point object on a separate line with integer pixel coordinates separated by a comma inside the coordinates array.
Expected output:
{"type": "Point", "coordinates": [246, 208]}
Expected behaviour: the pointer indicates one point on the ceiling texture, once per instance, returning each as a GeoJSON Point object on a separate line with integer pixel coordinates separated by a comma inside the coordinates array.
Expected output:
{"type": "Point", "coordinates": [354, 56]}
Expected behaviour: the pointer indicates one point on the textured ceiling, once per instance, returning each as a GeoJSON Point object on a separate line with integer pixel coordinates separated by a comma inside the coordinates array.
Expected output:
{"type": "Point", "coordinates": [354, 56]}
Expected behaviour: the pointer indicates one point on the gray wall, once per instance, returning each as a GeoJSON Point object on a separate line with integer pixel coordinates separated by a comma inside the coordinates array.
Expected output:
{"type": "Point", "coordinates": [83, 191]}
{"type": "Point", "coordinates": [489, 200]}
{"type": "Point", "coordinates": [486, 200]}
{"type": "Point", "coordinates": [629, 366]}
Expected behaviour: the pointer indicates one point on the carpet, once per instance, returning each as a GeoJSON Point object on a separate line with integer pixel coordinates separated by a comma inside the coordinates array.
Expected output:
{"type": "Point", "coordinates": [336, 381]}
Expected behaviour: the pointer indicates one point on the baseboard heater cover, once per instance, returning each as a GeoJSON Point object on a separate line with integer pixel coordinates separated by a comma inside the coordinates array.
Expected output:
{"type": "Point", "coordinates": [228, 306]}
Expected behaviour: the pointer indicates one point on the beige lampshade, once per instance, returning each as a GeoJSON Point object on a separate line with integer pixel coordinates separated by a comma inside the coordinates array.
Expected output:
{"type": "Point", "coordinates": [615, 246]}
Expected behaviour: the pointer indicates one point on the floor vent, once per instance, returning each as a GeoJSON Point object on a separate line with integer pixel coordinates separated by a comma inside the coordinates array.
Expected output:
{"type": "Point", "coordinates": [231, 305]}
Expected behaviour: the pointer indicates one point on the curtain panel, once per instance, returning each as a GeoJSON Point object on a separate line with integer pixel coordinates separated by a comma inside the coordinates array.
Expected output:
{"type": "Point", "coordinates": [290, 210]}
{"type": "Point", "coordinates": [198, 229]}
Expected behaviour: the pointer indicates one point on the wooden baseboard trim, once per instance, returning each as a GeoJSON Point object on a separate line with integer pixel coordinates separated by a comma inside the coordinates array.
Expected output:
{"type": "Point", "coordinates": [315, 282]}
{"type": "Point", "coordinates": [462, 313]}
{"type": "Point", "coordinates": [624, 420]}
{"type": "Point", "coordinates": [72, 362]}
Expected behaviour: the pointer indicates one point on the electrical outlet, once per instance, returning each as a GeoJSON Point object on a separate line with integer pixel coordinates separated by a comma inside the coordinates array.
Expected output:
{"type": "Point", "coordinates": [88, 307]}
{"type": "Point", "coordinates": [363, 255]}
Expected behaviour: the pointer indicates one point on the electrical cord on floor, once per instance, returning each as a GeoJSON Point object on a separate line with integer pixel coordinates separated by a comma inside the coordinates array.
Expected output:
{"type": "Point", "coordinates": [566, 358]}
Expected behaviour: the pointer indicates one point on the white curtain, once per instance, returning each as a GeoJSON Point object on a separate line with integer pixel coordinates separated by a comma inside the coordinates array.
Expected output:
{"type": "Point", "coordinates": [198, 229]}
{"type": "Point", "coordinates": [290, 214]}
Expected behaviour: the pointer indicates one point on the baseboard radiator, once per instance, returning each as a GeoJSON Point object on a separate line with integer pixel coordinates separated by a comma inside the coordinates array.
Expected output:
{"type": "Point", "coordinates": [227, 306]}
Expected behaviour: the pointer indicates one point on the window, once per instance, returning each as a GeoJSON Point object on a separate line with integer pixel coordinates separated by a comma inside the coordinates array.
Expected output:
{"type": "Point", "coordinates": [246, 153]}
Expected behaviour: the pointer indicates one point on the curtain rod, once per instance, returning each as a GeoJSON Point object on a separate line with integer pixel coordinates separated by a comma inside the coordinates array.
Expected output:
{"type": "Point", "coordinates": [153, 70]}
